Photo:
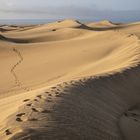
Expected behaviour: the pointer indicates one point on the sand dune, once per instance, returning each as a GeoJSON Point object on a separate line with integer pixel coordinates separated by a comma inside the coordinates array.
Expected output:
{"type": "Point", "coordinates": [45, 27]}
{"type": "Point", "coordinates": [103, 24]}
{"type": "Point", "coordinates": [67, 80]}
{"type": "Point", "coordinates": [57, 35]}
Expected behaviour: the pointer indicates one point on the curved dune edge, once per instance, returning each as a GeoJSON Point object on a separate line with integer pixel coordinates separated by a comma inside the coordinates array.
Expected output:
{"type": "Point", "coordinates": [93, 107]}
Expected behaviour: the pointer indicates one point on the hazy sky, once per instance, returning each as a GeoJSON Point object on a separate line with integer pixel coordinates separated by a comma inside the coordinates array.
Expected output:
{"type": "Point", "coordinates": [99, 9]}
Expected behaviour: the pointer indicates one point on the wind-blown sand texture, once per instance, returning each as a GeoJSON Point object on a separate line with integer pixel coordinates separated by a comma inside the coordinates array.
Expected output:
{"type": "Point", "coordinates": [70, 81]}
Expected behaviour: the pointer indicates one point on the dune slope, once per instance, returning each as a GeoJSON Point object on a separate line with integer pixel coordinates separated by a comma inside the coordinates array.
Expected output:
{"type": "Point", "coordinates": [67, 82]}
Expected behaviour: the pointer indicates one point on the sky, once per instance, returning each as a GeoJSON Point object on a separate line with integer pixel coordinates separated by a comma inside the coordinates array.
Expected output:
{"type": "Point", "coordinates": [80, 9]}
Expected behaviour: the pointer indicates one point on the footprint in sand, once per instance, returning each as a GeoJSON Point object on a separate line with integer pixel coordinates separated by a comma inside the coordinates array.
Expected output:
{"type": "Point", "coordinates": [21, 117]}
{"type": "Point", "coordinates": [41, 110]}
{"type": "Point", "coordinates": [19, 120]}
{"type": "Point", "coordinates": [53, 29]}
{"type": "Point", "coordinates": [28, 104]}
{"type": "Point", "coordinates": [34, 109]}
{"type": "Point", "coordinates": [57, 93]}
{"type": "Point", "coordinates": [49, 94]}
{"type": "Point", "coordinates": [36, 100]}
{"type": "Point", "coordinates": [52, 90]}
{"type": "Point", "coordinates": [20, 114]}
{"type": "Point", "coordinates": [130, 35]}
{"type": "Point", "coordinates": [43, 97]}
{"type": "Point", "coordinates": [8, 132]}
{"type": "Point", "coordinates": [58, 90]}
{"type": "Point", "coordinates": [39, 96]}
{"type": "Point", "coordinates": [53, 87]}
{"type": "Point", "coordinates": [26, 100]}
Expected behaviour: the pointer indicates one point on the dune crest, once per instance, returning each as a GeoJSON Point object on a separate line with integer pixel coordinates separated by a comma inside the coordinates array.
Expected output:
{"type": "Point", "coordinates": [68, 80]}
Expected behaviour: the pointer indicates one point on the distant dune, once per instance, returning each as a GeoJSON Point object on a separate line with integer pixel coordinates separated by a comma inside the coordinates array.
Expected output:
{"type": "Point", "coordinates": [104, 23]}
{"type": "Point", "coordinates": [70, 80]}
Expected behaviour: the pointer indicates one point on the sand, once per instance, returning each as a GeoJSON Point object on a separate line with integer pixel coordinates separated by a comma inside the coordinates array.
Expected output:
{"type": "Point", "coordinates": [70, 80]}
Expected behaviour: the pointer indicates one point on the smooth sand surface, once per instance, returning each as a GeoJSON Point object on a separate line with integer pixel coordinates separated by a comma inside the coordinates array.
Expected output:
{"type": "Point", "coordinates": [69, 80]}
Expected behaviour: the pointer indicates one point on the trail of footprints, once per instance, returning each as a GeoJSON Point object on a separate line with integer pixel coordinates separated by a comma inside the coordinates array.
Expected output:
{"type": "Point", "coordinates": [14, 67]}
{"type": "Point", "coordinates": [17, 81]}
{"type": "Point", "coordinates": [49, 97]}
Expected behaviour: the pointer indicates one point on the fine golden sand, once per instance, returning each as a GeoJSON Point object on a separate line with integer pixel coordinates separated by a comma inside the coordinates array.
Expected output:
{"type": "Point", "coordinates": [70, 81]}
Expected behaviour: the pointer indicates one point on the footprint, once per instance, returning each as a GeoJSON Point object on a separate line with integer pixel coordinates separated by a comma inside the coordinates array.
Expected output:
{"type": "Point", "coordinates": [50, 95]}
{"type": "Point", "coordinates": [20, 114]}
{"type": "Point", "coordinates": [19, 119]}
{"type": "Point", "coordinates": [57, 93]}
{"type": "Point", "coordinates": [26, 100]}
{"type": "Point", "coordinates": [8, 132]}
{"type": "Point", "coordinates": [130, 35]}
{"type": "Point", "coordinates": [35, 110]}
{"type": "Point", "coordinates": [39, 96]}
{"type": "Point", "coordinates": [58, 90]}
{"type": "Point", "coordinates": [29, 105]}
{"type": "Point", "coordinates": [36, 100]}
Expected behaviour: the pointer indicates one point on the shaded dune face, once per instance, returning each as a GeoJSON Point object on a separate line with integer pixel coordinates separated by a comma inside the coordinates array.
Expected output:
{"type": "Point", "coordinates": [99, 101]}
{"type": "Point", "coordinates": [12, 40]}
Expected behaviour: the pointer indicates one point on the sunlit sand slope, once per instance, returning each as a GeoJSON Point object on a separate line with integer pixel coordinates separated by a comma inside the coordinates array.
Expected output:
{"type": "Point", "coordinates": [67, 80]}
